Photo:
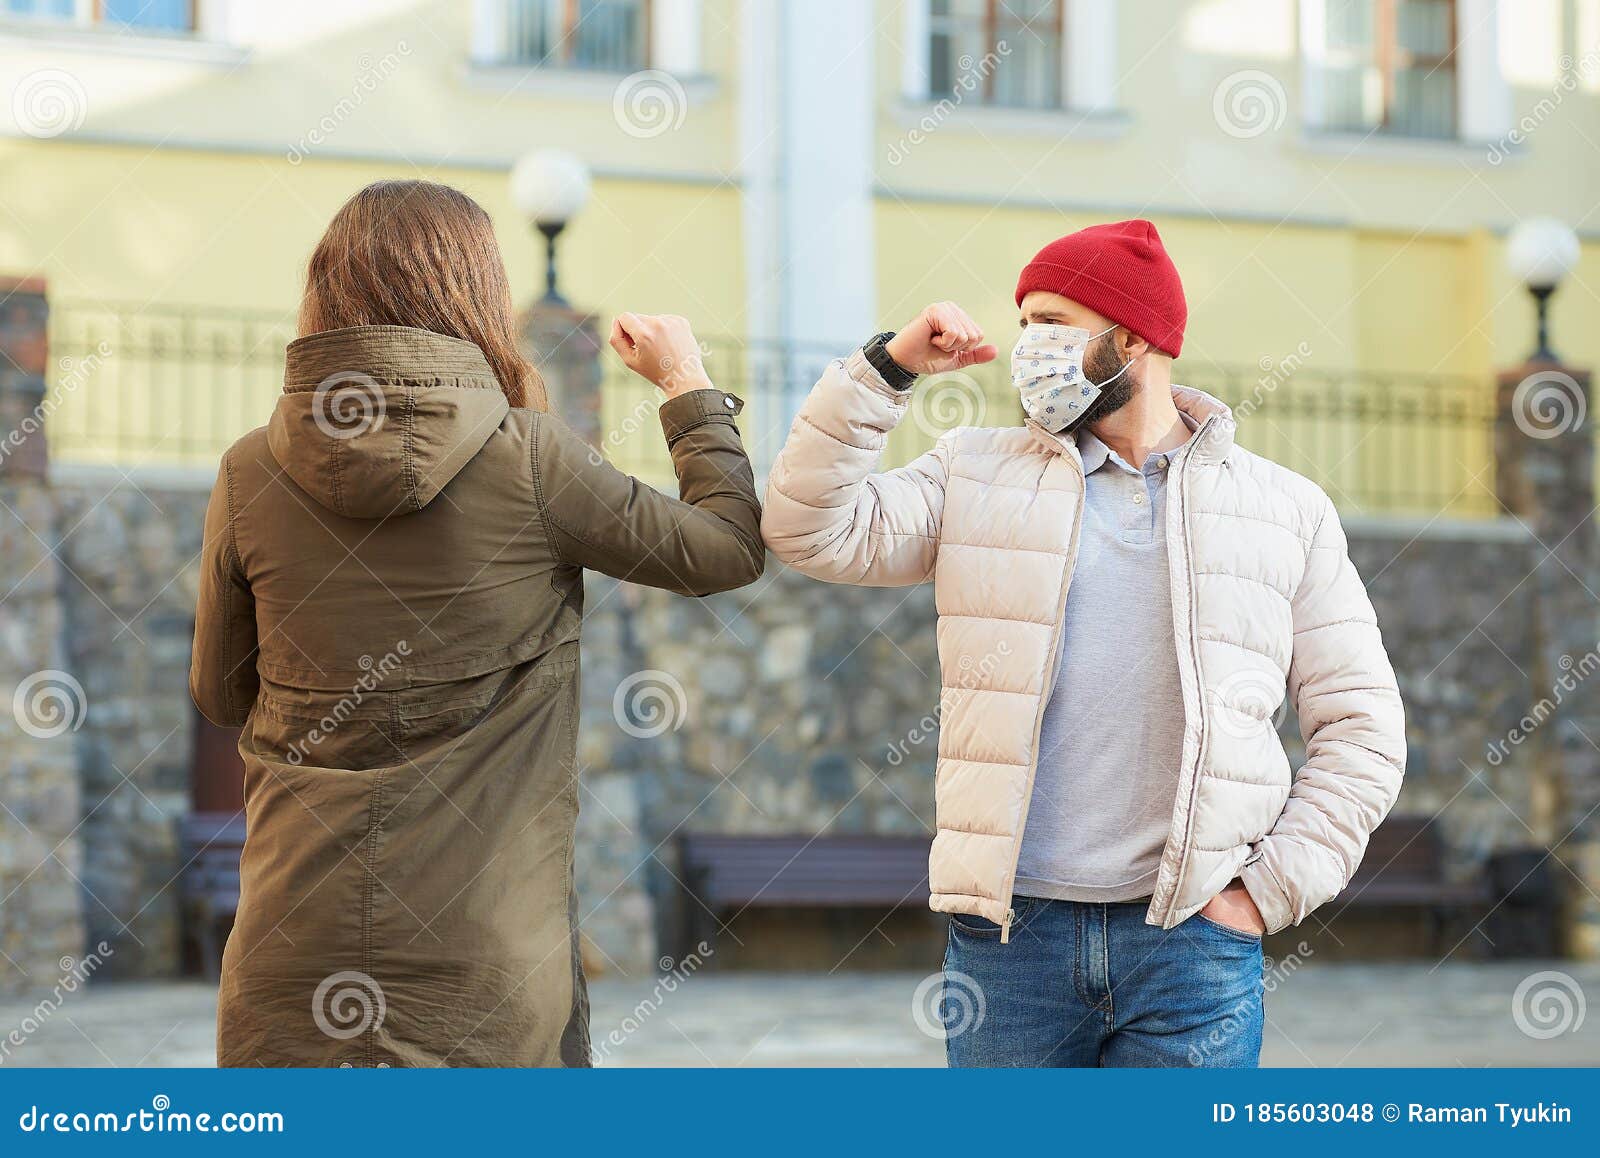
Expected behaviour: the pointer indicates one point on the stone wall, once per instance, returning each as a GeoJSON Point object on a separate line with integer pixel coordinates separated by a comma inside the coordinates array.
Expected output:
{"type": "Point", "coordinates": [41, 845]}
{"type": "Point", "coordinates": [792, 706]}
{"type": "Point", "coordinates": [129, 550]}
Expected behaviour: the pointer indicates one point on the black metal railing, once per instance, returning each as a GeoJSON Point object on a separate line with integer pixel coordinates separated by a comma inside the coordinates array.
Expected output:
{"type": "Point", "coordinates": [173, 387]}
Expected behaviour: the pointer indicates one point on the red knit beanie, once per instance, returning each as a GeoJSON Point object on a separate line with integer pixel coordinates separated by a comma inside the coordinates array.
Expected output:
{"type": "Point", "coordinates": [1121, 271]}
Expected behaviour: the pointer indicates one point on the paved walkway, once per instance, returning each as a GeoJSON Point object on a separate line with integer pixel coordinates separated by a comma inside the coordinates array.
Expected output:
{"type": "Point", "coordinates": [1322, 1015]}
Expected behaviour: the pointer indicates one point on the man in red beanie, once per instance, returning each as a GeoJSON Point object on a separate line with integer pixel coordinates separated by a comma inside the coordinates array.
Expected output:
{"type": "Point", "coordinates": [1125, 597]}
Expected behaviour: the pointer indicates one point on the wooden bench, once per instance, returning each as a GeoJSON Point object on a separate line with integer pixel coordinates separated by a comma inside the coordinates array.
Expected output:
{"type": "Point", "coordinates": [725, 875]}
{"type": "Point", "coordinates": [1404, 869]}
{"type": "Point", "coordinates": [212, 842]}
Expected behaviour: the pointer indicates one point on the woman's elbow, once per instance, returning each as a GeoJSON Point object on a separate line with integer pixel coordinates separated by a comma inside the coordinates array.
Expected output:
{"type": "Point", "coordinates": [739, 568]}
{"type": "Point", "coordinates": [214, 703]}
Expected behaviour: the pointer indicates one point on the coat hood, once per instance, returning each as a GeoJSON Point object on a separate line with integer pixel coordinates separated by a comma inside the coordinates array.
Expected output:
{"type": "Point", "coordinates": [375, 421]}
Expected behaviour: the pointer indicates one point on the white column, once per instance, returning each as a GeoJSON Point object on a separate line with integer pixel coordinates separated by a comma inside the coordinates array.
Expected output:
{"type": "Point", "coordinates": [488, 30]}
{"type": "Point", "coordinates": [675, 36]}
{"type": "Point", "coordinates": [1313, 53]}
{"type": "Point", "coordinates": [1483, 97]}
{"type": "Point", "coordinates": [758, 163]}
{"type": "Point", "coordinates": [914, 48]}
{"type": "Point", "coordinates": [826, 93]}
{"type": "Point", "coordinates": [1089, 46]}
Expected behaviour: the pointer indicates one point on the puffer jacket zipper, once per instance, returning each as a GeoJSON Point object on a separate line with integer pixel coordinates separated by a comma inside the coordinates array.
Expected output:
{"type": "Point", "coordinates": [1044, 696]}
{"type": "Point", "coordinates": [1193, 773]}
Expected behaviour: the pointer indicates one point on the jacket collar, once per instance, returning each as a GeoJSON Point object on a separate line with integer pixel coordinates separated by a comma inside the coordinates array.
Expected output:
{"type": "Point", "coordinates": [1212, 419]}
{"type": "Point", "coordinates": [386, 354]}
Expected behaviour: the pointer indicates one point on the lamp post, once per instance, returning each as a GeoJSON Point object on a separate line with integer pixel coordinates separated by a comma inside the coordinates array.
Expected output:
{"type": "Point", "coordinates": [1539, 253]}
{"type": "Point", "coordinates": [549, 188]}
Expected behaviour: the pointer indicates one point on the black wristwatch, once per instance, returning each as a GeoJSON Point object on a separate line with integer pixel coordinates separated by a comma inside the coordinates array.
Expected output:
{"type": "Point", "coordinates": [877, 353]}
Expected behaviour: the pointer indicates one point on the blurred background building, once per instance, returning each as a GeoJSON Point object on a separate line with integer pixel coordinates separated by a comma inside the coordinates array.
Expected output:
{"type": "Point", "coordinates": [1337, 180]}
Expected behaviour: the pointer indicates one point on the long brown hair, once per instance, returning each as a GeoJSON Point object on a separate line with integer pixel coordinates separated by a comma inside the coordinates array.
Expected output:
{"type": "Point", "coordinates": [419, 254]}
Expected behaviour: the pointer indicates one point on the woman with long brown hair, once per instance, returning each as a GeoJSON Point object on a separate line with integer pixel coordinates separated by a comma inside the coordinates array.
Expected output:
{"type": "Point", "coordinates": [390, 597]}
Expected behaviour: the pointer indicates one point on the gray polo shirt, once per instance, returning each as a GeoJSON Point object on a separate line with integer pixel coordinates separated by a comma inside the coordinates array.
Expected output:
{"type": "Point", "coordinates": [1112, 736]}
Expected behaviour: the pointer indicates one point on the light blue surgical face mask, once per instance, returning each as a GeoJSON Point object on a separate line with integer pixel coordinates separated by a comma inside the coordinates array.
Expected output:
{"type": "Point", "coordinates": [1047, 370]}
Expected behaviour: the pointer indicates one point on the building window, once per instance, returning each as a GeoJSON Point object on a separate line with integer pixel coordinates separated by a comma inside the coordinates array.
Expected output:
{"type": "Point", "coordinates": [997, 52]}
{"type": "Point", "coordinates": [169, 16]}
{"type": "Point", "coordinates": [596, 35]}
{"type": "Point", "coordinates": [1390, 66]}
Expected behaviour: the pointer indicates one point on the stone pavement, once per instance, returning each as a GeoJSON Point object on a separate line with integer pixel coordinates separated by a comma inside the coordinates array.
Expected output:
{"type": "Point", "coordinates": [1322, 1015]}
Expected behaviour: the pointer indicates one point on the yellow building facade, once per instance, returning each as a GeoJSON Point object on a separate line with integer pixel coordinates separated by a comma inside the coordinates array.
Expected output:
{"type": "Point", "coordinates": [1334, 179]}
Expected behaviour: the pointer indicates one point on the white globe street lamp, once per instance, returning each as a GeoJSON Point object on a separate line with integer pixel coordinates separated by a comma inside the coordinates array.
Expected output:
{"type": "Point", "coordinates": [550, 187]}
{"type": "Point", "coordinates": [1539, 253]}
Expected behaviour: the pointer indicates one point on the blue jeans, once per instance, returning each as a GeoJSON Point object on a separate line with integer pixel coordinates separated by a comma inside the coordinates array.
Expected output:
{"type": "Point", "coordinates": [1093, 985]}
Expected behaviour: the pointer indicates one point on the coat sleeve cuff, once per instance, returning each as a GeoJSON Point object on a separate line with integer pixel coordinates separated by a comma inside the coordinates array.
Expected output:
{"type": "Point", "coordinates": [685, 412]}
{"type": "Point", "coordinates": [865, 373]}
{"type": "Point", "coordinates": [1269, 897]}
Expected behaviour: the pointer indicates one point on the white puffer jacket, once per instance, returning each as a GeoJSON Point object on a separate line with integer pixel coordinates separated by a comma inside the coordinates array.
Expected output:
{"type": "Point", "coordinates": [1264, 600]}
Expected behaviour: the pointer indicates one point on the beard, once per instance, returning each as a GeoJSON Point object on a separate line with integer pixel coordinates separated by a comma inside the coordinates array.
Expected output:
{"type": "Point", "coordinates": [1100, 364]}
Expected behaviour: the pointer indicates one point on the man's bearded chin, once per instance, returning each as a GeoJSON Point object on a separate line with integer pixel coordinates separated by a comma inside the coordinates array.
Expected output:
{"type": "Point", "coordinates": [1100, 363]}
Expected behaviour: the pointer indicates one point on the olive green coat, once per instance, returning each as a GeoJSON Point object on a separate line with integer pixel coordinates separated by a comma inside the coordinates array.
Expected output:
{"type": "Point", "coordinates": [390, 598]}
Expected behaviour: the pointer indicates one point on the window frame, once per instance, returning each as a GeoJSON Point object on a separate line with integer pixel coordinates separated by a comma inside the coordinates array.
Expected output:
{"type": "Point", "coordinates": [990, 41]}
{"type": "Point", "coordinates": [567, 44]}
{"type": "Point", "coordinates": [1387, 59]}
{"type": "Point", "coordinates": [91, 15]}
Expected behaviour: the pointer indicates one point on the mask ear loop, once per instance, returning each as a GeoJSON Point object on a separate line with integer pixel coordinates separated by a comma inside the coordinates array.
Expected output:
{"type": "Point", "coordinates": [1125, 365]}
